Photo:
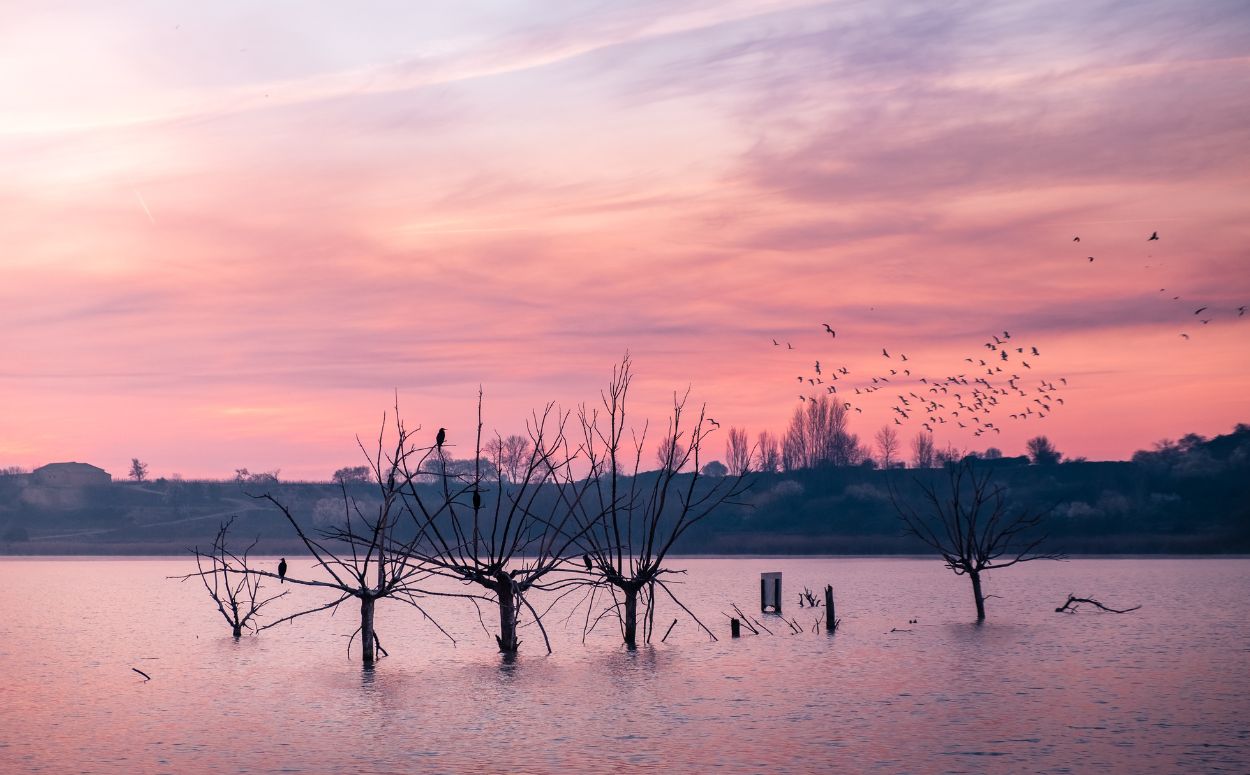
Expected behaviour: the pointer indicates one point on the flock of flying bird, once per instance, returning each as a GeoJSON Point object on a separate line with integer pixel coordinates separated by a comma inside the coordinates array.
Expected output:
{"type": "Point", "coordinates": [998, 383]}
{"type": "Point", "coordinates": [994, 384]}
{"type": "Point", "coordinates": [1154, 237]}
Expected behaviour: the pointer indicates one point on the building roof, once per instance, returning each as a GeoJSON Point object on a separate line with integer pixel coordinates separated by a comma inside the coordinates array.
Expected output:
{"type": "Point", "coordinates": [75, 467]}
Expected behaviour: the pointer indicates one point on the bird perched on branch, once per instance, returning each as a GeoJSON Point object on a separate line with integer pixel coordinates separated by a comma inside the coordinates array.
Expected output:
{"type": "Point", "coordinates": [586, 559]}
{"type": "Point", "coordinates": [282, 570]}
{"type": "Point", "coordinates": [440, 438]}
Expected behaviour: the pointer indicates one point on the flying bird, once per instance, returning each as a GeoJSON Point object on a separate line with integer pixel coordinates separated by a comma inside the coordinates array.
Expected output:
{"type": "Point", "coordinates": [1076, 239]}
{"type": "Point", "coordinates": [713, 422]}
{"type": "Point", "coordinates": [282, 570]}
{"type": "Point", "coordinates": [1154, 237]}
{"type": "Point", "coordinates": [1091, 258]}
{"type": "Point", "coordinates": [830, 330]}
{"type": "Point", "coordinates": [775, 343]}
{"type": "Point", "coordinates": [1241, 311]}
{"type": "Point", "coordinates": [883, 352]}
{"type": "Point", "coordinates": [1185, 335]}
{"type": "Point", "coordinates": [440, 438]}
{"type": "Point", "coordinates": [1200, 309]}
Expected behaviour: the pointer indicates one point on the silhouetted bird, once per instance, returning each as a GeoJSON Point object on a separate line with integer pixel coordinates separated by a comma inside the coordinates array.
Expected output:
{"type": "Point", "coordinates": [713, 422]}
{"type": "Point", "coordinates": [1241, 311]}
{"type": "Point", "coordinates": [282, 570]}
{"type": "Point", "coordinates": [477, 500]}
{"type": "Point", "coordinates": [775, 344]}
{"type": "Point", "coordinates": [440, 438]}
{"type": "Point", "coordinates": [586, 559]}
{"type": "Point", "coordinates": [1200, 309]}
{"type": "Point", "coordinates": [830, 330]}
{"type": "Point", "coordinates": [883, 352]}
{"type": "Point", "coordinates": [789, 346]}
{"type": "Point", "coordinates": [1154, 235]}
{"type": "Point", "coordinates": [1185, 335]}
{"type": "Point", "coordinates": [1091, 258]}
{"type": "Point", "coordinates": [1076, 239]}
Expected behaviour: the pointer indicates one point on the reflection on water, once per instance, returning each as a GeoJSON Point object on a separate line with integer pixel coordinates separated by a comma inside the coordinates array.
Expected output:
{"type": "Point", "coordinates": [1163, 689]}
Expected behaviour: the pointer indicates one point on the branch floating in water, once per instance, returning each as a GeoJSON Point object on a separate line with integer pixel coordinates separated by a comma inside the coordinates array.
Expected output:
{"type": "Point", "coordinates": [1070, 607]}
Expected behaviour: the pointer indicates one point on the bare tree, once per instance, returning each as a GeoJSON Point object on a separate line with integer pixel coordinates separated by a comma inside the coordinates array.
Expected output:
{"type": "Point", "coordinates": [737, 452]}
{"type": "Point", "coordinates": [1042, 452]}
{"type": "Point", "coordinates": [352, 475]}
{"type": "Point", "coordinates": [138, 470]}
{"type": "Point", "coordinates": [509, 455]}
{"type": "Point", "coordinates": [507, 539]}
{"type": "Point", "coordinates": [671, 450]}
{"type": "Point", "coordinates": [227, 579]}
{"type": "Point", "coordinates": [636, 517]}
{"type": "Point", "coordinates": [923, 454]}
{"type": "Point", "coordinates": [887, 445]}
{"type": "Point", "coordinates": [969, 523]}
{"type": "Point", "coordinates": [767, 453]}
{"type": "Point", "coordinates": [360, 556]}
{"type": "Point", "coordinates": [947, 455]}
{"type": "Point", "coordinates": [818, 435]}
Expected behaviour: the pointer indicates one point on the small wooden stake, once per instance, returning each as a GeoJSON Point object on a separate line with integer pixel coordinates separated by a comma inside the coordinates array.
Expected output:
{"type": "Point", "coordinates": [735, 628]}
{"type": "Point", "coordinates": [831, 621]}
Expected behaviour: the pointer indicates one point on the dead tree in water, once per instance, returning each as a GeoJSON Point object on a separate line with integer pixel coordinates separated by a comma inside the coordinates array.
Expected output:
{"type": "Point", "coordinates": [227, 579]}
{"type": "Point", "coordinates": [361, 558]}
{"type": "Point", "coordinates": [970, 525]}
{"type": "Point", "coordinates": [509, 542]}
{"type": "Point", "coordinates": [635, 516]}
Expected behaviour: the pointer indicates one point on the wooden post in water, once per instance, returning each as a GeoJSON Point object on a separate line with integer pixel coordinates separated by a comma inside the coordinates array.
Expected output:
{"type": "Point", "coordinates": [831, 621]}
{"type": "Point", "coordinates": [763, 594]}
{"type": "Point", "coordinates": [735, 628]}
{"type": "Point", "coordinates": [777, 592]}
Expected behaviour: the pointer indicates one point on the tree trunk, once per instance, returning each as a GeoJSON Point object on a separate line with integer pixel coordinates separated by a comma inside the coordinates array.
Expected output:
{"type": "Point", "coordinates": [368, 651]}
{"type": "Point", "coordinates": [976, 593]}
{"type": "Point", "coordinates": [506, 638]}
{"type": "Point", "coordinates": [238, 630]}
{"type": "Point", "coordinates": [631, 618]}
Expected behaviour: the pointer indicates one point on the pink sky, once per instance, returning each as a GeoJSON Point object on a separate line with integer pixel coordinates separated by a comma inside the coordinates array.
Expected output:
{"type": "Point", "coordinates": [232, 233]}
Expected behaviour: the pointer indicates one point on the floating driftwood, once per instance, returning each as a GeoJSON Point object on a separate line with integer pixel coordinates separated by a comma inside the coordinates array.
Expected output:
{"type": "Point", "coordinates": [1073, 601]}
{"type": "Point", "coordinates": [146, 677]}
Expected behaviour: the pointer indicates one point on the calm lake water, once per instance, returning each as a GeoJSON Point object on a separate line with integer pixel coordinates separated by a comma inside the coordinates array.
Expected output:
{"type": "Point", "coordinates": [1164, 689]}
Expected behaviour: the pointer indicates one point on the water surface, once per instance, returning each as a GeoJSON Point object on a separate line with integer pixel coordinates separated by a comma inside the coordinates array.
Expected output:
{"type": "Point", "coordinates": [1164, 689]}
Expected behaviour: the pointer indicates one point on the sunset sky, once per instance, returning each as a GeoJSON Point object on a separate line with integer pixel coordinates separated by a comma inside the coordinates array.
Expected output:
{"type": "Point", "coordinates": [233, 231]}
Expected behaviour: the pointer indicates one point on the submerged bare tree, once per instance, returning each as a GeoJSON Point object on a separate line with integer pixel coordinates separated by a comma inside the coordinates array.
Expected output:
{"type": "Point", "coordinates": [234, 590]}
{"type": "Point", "coordinates": [970, 524]}
{"type": "Point", "coordinates": [505, 535]}
{"type": "Point", "coordinates": [635, 518]}
{"type": "Point", "coordinates": [362, 556]}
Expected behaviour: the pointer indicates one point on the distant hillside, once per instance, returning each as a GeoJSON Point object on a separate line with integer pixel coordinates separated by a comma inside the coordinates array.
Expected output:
{"type": "Point", "coordinates": [1190, 497]}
